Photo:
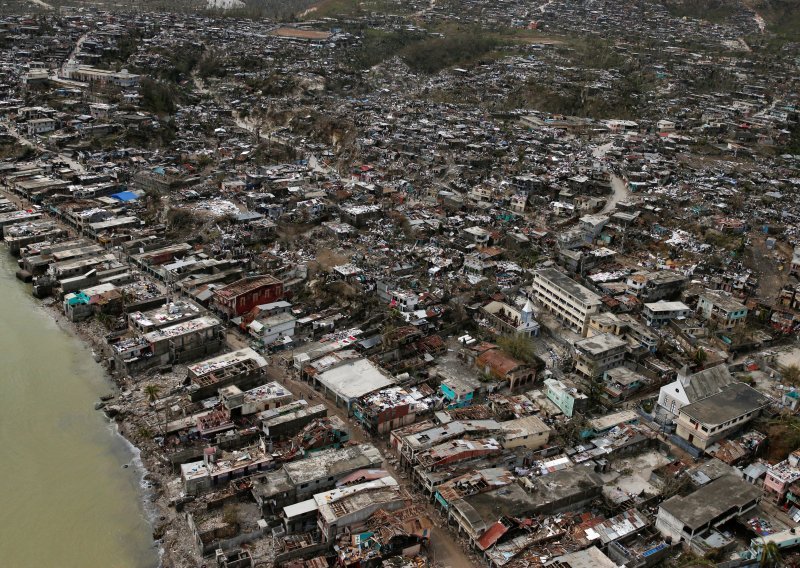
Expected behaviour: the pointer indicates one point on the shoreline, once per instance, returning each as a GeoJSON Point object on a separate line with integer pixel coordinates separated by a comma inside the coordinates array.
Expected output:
{"type": "Point", "coordinates": [153, 510]}
{"type": "Point", "coordinates": [169, 532]}
{"type": "Point", "coordinates": [165, 523]}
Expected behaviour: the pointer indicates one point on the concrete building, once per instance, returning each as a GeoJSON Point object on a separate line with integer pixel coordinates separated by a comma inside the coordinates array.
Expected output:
{"type": "Point", "coordinates": [686, 389]}
{"type": "Point", "coordinates": [345, 509]}
{"type": "Point", "coordinates": [662, 312]}
{"type": "Point", "coordinates": [570, 302]}
{"type": "Point", "coordinates": [217, 470]}
{"type": "Point", "coordinates": [509, 320]}
{"type": "Point", "coordinates": [243, 368]}
{"type": "Point", "coordinates": [272, 329]}
{"type": "Point", "coordinates": [182, 342]}
{"type": "Point", "coordinates": [567, 398]}
{"type": "Point", "coordinates": [782, 478]}
{"type": "Point", "coordinates": [87, 74]}
{"type": "Point", "coordinates": [693, 519]}
{"type": "Point", "coordinates": [591, 557]}
{"type": "Point", "coordinates": [351, 380]}
{"type": "Point", "coordinates": [258, 399]}
{"type": "Point", "coordinates": [500, 365]}
{"type": "Point", "coordinates": [301, 479]}
{"type": "Point", "coordinates": [243, 295]}
{"type": "Point", "coordinates": [286, 420]}
{"type": "Point", "coordinates": [721, 308]}
{"type": "Point", "coordinates": [559, 491]}
{"type": "Point", "coordinates": [526, 432]}
{"type": "Point", "coordinates": [409, 442]}
{"type": "Point", "coordinates": [458, 389]}
{"type": "Point", "coordinates": [712, 418]}
{"type": "Point", "coordinates": [654, 286]}
{"type": "Point", "coordinates": [383, 411]}
{"type": "Point", "coordinates": [597, 354]}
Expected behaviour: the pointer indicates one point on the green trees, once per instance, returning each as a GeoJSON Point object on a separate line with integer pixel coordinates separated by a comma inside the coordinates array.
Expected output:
{"type": "Point", "coordinates": [152, 392]}
{"type": "Point", "coordinates": [157, 96]}
{"type": "Point", "coordinates": [518, 346]}
{"type": "Point", "coordinates": [770, 555]}
{"type": "Point", "coordinates": [460, 48]}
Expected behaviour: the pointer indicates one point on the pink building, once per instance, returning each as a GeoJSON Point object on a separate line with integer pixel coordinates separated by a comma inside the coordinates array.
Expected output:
{"type": "Point", "coordinates": [781, 476]}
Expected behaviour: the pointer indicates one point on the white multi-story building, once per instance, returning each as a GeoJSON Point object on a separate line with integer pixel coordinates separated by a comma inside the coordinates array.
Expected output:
{"type": "Point", "coordinates": [659, 313]}
{"type": "Point", "coordinates": [566, 299]}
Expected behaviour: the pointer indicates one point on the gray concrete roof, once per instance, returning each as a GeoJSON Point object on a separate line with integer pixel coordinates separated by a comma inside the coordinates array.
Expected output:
{"type": "Point", "coordinates": [711, 501]}
{"type": "Point", "coordinates": [733, 401]}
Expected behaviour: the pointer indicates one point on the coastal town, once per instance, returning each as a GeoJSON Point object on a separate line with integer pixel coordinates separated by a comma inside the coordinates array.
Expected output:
{"type": "Point", "coordinates": [426, 283]}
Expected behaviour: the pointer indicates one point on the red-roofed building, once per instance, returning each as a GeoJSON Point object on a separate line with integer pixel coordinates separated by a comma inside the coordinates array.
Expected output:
{"type": "Point", "coordinates": [243, 295]}
{"type": "Point", "coordinates": [500, 365]}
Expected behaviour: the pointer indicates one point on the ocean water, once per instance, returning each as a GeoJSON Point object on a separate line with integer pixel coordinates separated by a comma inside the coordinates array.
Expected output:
{"type": "Point", "coordinates": [66, 498]}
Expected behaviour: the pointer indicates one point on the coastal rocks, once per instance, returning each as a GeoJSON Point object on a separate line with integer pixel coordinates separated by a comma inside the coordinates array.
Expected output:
{"type": "Point", "coordinates": [113, 411]}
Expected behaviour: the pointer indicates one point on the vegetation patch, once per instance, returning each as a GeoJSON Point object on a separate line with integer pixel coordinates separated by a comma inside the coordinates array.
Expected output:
{"type": "Point", "coordinates": [715, 11]}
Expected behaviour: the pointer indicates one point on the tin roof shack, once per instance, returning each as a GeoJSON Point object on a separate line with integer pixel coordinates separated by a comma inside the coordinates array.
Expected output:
{"type": "Point", "coordinates": [284, 421]}
{"type": "Point", "coordinates": [383, 411]}
{"type": "Point", "coordinates": [414, 439]}
{"type": "Point", "coordinates": [299, 480]}
{"type": "Point", "coordinates": [388, 535]}
{"type": "Point", "coordinates": [559, 491]}
{"type": "Point", "coordinates": [694, 519]}
{"type": "Point", "coordinates": [715, 417]}
{"type": "Point", "coordinates": [261, 398]}
{"type": "Point", "coordinates": [592, 557]}
{"type": "Point", "coordinates": [243, 295]}
{"type": "Point", "coordinates": [351, 380]}
{"type": "Point", "coordinates": [449, 453]}
{"type": "Point", "coordinates": [214, 471]}
{"type": "Point", "coordinates": [346, 509]}
{"type": "Point", "coordinates": [476, 481]}
{"type": "Point", "coordinates": [243, 368]}
{"type": "Point", "coordinates": [174, 344]}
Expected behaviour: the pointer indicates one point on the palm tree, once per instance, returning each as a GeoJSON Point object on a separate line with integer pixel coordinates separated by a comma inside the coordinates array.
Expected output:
{"type": "Point", "coordinates": [152, 392]}
{"type": "Point", "coordinates": [770, 555]}
{"type": "Point", "coordinates": [700, 356]}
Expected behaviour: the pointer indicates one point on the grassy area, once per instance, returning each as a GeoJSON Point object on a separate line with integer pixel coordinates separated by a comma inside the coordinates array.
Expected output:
{"type": "Point", "coordinates": [428, 53]}
{"type": "Point", "coordinates": [781, 16]}
{"type": "Point", "coordinates": [715, 11]}
{"type": "Point", "coordinates": [457, 50]}
{"type": "Point", "coordinates": [352, 8]}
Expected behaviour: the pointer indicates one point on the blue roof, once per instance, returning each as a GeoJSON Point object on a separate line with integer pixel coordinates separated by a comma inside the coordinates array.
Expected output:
{"type": "Point", "coordinates": [125, 196]}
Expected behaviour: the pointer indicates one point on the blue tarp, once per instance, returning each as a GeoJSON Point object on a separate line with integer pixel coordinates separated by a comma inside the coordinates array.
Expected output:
{"type": "Point", "coordinates": [125, 196]}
